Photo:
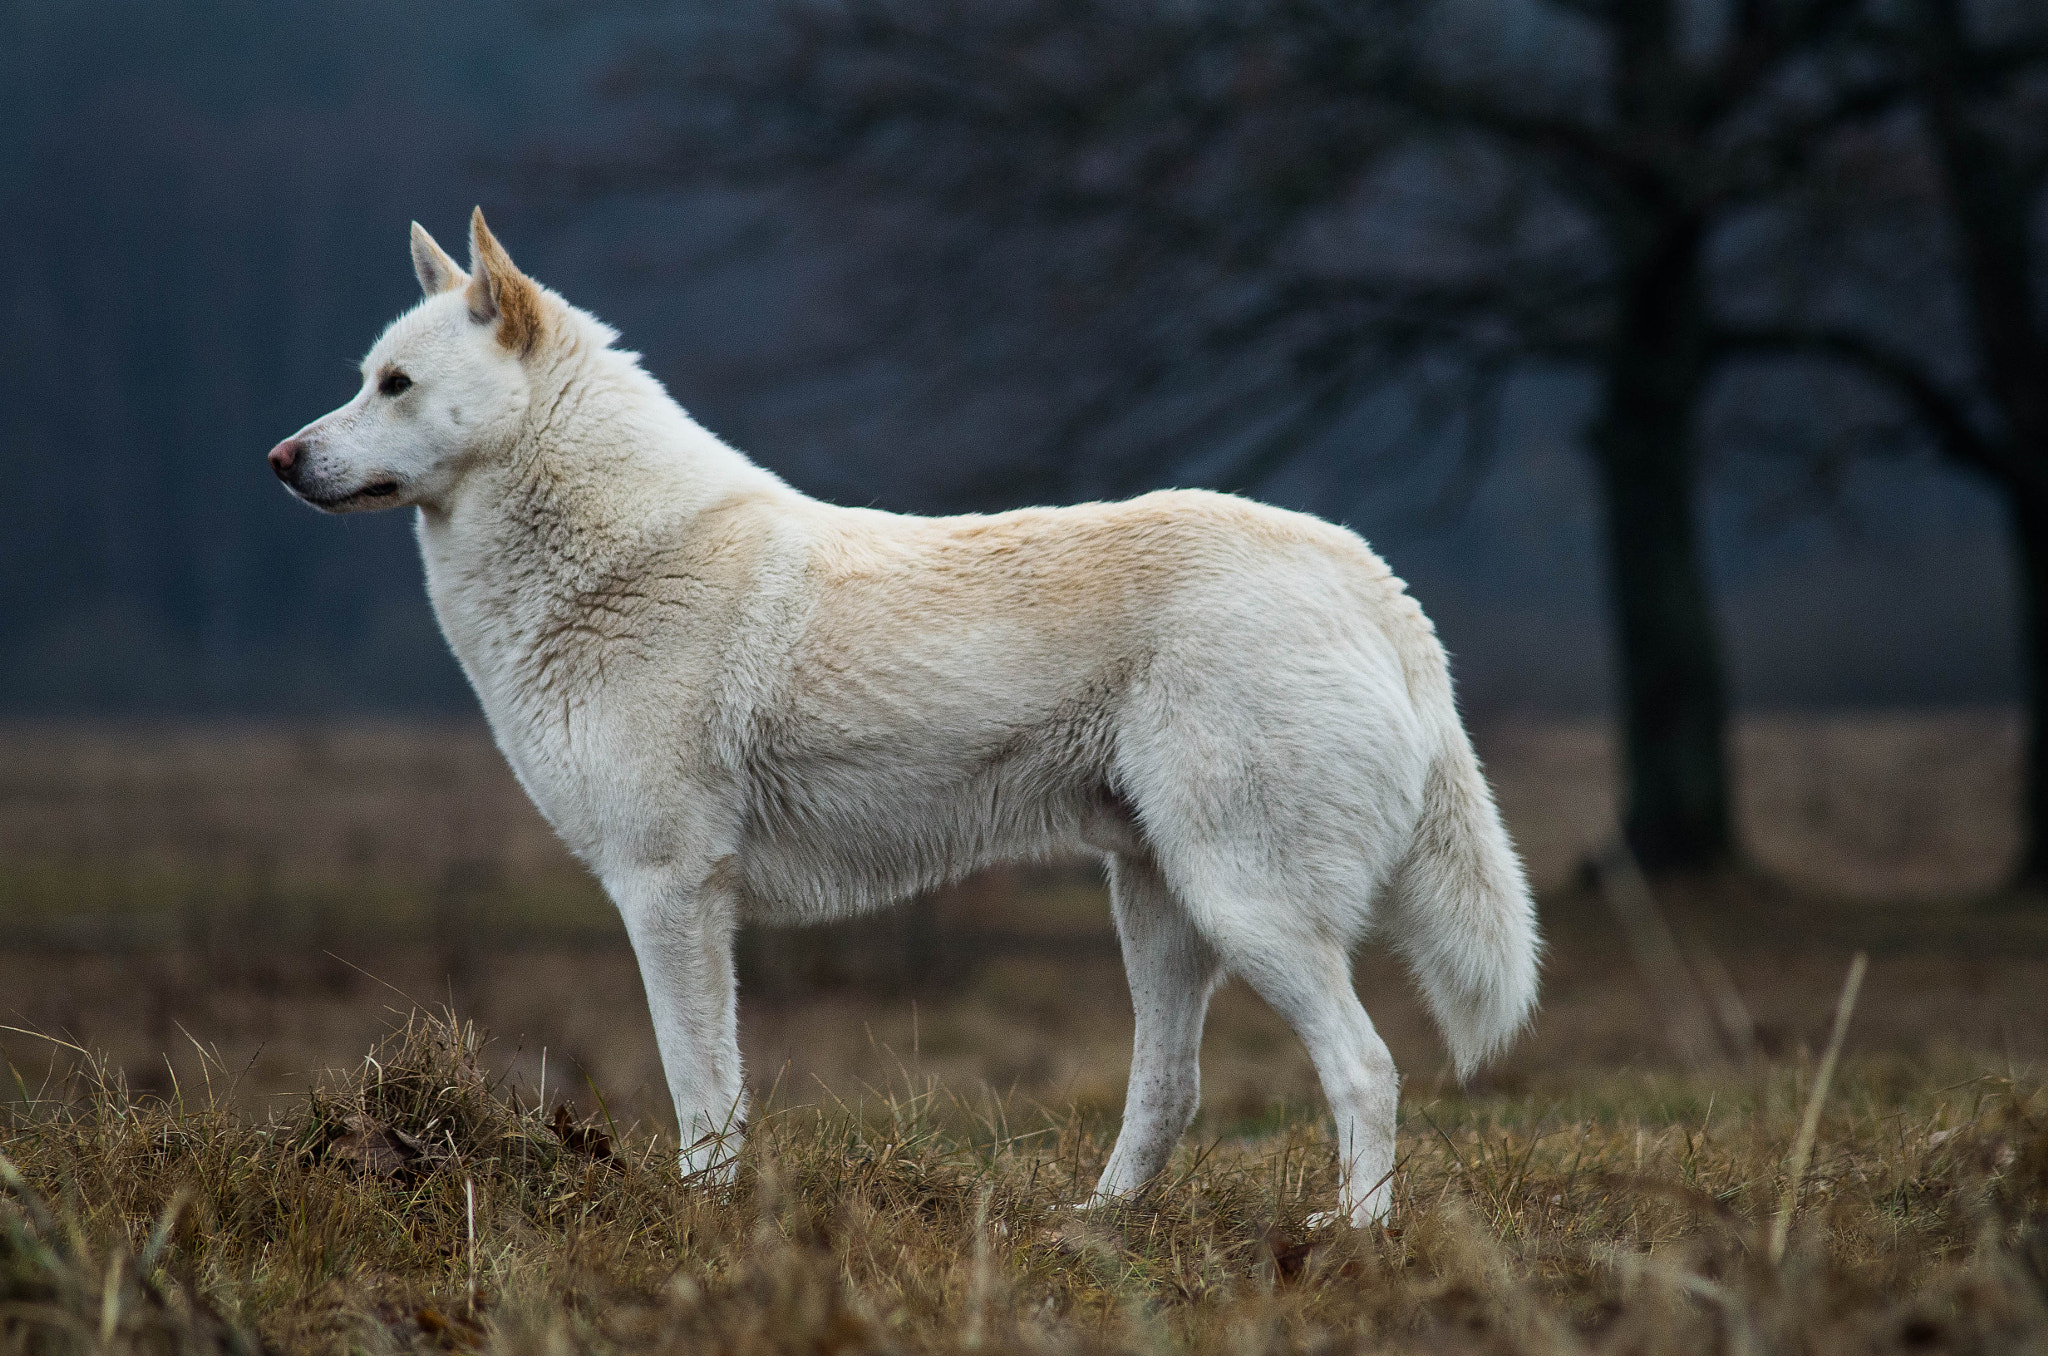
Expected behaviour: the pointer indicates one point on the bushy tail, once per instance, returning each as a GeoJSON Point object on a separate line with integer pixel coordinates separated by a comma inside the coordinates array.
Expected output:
{"type": "Point", "coordinates": [1462, 916]}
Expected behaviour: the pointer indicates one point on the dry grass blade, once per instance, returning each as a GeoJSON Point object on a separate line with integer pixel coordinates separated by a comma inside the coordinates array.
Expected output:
{"type": "Point", "coordinates": [1809, 1124]}
{"type": "Point", "coordinates": [469, 1226]}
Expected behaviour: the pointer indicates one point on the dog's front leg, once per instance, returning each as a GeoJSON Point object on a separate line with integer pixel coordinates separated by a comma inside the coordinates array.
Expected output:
{"type": "Point", "coordinates": [681, 924]}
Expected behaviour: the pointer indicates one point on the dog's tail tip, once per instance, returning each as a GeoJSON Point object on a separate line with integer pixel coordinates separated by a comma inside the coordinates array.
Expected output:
{"type": "Point", "coordinates": [1467, 925]}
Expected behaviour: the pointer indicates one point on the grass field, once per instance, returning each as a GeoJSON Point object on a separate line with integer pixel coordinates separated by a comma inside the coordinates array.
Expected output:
{"type": "Point", "coordinates": [418, 1202]}
{"type": "Point", "coordinates": [209, 929]}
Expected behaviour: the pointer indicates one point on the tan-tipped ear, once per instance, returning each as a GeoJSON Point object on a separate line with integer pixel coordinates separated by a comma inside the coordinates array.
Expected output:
{"type": "Point", "coordinates": [437, 270]}
{"type": "Point", "coordinates": [499, 292]}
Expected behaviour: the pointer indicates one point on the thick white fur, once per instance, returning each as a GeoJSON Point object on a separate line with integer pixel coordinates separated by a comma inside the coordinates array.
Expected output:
{"type": "Point", "coordinates": [737, 703]}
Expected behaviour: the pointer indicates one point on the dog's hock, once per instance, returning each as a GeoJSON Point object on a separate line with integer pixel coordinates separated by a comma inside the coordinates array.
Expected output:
{"type": "Point", "coordinates": [499, 293]}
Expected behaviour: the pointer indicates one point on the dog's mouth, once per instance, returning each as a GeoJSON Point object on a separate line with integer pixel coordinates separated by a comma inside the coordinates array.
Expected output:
{"type": "Point", "coordinates": [369, 494]}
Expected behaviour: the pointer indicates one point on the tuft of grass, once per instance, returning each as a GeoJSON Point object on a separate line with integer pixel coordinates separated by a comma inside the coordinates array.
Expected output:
{"type": "Point", "coordinates": [419, 1202]}
{"type": "Point", "coordinates": [60, 1294]}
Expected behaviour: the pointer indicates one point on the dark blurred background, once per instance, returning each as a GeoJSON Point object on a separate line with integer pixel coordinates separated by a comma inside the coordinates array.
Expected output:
{"type": "Point", "coordinates": [1689, 358]}
{"type": "Point", "coordinates": [205, 213]}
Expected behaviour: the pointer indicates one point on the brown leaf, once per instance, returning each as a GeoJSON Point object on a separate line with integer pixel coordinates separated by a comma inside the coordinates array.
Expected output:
{"type": "Point", "coordinates": [382, 1149]}
{"type": "Point", "coordinates": [450, 1333]}
{"type": "Point", "coordinates": [367, 1146]}
{"type": "Point", "coordinates": [1290, 1258]}
{"type": "Point", "coordinates": [585, 1139]}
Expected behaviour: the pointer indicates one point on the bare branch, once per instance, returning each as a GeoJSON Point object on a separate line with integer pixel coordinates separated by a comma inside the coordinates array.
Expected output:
{"type": "Point", "coordinates": [1945, 414]}
{"type": "Point", "coordinates": [1767, 37]}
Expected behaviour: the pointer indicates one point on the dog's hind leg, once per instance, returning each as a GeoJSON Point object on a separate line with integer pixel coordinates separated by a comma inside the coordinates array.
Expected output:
{"type": "Point", "coordinates": [1308, 982]}
{"type": "Point", "coordinates": [682, 933]}
{"type": "Point", "coordinates": [1172, 972]}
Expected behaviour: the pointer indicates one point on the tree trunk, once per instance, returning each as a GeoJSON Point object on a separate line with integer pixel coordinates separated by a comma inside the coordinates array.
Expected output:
{"type": "Point", "coordinates": [1674, 709]}
{"type": "Point", "coordinates": [2030, 552]}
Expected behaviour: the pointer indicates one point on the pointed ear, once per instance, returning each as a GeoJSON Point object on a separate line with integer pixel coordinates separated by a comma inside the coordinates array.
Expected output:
{"type": "Point", "coordinates": [499, 293]}
{"type": "Point", "coordinates": [437, 271]}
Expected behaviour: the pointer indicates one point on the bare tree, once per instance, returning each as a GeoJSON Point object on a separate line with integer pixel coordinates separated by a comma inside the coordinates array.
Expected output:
{"type": "Point", "coordinates": [1679, 133]}
{"type": "Point", "coordinates": [1966, 183]}
{"type": "Point", "coordinates": [1221, 230]}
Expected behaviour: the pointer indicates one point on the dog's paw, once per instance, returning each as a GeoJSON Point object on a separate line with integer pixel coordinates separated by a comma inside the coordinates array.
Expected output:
{"type": "Point", "coordinates": [1346, 1219]}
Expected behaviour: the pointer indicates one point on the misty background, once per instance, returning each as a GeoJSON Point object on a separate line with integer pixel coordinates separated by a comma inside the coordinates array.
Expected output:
{"type": "Point", "coordinates": [203, 213]}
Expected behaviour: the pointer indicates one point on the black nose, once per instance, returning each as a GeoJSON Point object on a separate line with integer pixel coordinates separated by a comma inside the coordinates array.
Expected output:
{"type": "Point", "coordinates": [285, 456]}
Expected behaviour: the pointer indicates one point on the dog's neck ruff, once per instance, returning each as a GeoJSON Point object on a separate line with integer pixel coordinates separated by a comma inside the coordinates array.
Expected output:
{"type": "Point", "coordinates": [540, 544]}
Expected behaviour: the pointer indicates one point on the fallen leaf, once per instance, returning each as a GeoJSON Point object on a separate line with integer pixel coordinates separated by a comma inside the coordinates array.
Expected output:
{"type": "Point", "coordinates": [585, 1139]}
{"type": "Point", "coordinates": [450, 1333]}
{"type": "Point", "coordinates": [1290, 1258]}
{"type": "Point", "coordinates": [382, 1149]}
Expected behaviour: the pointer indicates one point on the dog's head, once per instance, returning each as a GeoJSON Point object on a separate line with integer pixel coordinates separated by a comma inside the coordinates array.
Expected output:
{"type": "Point", "coordinates": [445, 386]}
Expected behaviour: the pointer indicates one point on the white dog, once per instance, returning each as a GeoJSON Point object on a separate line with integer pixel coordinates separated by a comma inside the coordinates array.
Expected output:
{"type": "Point", "coordinates": [739, 704]}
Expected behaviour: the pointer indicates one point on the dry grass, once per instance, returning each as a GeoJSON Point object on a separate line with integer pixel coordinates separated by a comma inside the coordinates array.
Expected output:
{"type": "Point", "coordinates": [171, 898]}
{"type": "Point", "coordinates": [1592, 1193]}
{"type": "Point", "coordinates": [1629, 1217]}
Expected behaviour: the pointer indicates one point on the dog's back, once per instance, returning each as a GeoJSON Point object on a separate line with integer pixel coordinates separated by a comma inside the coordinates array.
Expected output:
{"type": "Point", "coordinates": [961, 690]}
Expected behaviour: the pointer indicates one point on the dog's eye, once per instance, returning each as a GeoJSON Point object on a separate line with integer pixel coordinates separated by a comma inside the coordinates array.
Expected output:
{"type": "Point", "coordinates": [394, 383]}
